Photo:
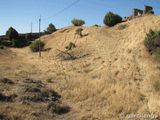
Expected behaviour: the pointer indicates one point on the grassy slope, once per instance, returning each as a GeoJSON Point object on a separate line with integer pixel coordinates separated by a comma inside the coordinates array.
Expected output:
{"type": "Point", "coordinates": [116, 75]}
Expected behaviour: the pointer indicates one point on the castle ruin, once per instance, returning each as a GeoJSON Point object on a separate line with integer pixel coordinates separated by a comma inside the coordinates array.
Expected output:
{"type": "Point", "coordinates": [141, 12]}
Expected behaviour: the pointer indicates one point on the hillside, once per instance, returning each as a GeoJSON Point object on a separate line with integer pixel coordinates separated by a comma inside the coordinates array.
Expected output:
{"type": "Point", "coordinates": [113, 73]}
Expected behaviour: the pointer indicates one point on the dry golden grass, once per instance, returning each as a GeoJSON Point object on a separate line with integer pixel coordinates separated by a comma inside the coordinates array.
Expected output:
{"type": "Point", "coordinates": [156, 85]}
{"type": "Point", "coordinates": [116, 76]}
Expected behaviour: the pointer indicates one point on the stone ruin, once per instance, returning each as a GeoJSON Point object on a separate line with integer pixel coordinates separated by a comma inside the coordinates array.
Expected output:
{"type": "Point", "coordinates": [138, 12]}
{"type": "Point", "coordinates": [141, 12]}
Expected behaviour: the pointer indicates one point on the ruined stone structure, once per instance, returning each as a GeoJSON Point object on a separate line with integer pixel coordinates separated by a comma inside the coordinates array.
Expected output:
{"type": "Point", "coordinates": [136, 11]}
{"type": "Point", "coordinates": [146, 9]}
{"type": "Point", "coordinates": [141, 12]}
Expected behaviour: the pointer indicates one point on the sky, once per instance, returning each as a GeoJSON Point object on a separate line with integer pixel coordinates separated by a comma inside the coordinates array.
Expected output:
{"type": "Point", "coordinates": [21, 13]}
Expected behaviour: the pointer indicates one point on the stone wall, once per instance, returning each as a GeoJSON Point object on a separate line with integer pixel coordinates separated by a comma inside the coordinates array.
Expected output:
{"type": "Point", "coordinates": [136, 11]}
{"type": "Point", "coordinates": [146, 9]}
{"type": "Point", "coordinates": [141, 12]}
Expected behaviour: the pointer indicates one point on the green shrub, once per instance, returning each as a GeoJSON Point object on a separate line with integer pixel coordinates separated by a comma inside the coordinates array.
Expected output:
{"type": "Point", "coordinates": [12, 34]}
{"type": "Point", "coordinates": [79, 31]}
{"type": "Point", "coordinates": [152, 41]}
{"type": "Point", "coordinates": [150, 12]}
{"type": "Point", "coordinates": [112, 19]}
{"type": "Point", "coordinates": [36, 45]}
{"type": "Point", "coordinates": [49, 80]}
{"type": "Point", "coordinates": [96, 25]}
{"type": "Point", "coordinates": [78, 22]}
{"type": "Point", "coordinates": [51, 28]}
{"type": "Point", "coordinates": [70, 46]}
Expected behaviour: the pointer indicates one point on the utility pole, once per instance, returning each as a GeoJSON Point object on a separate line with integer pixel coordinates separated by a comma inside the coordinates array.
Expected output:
{"type": "Point", "coordinates": [31, 27]}
{"type": "Point", "coordinates": [39, 36]}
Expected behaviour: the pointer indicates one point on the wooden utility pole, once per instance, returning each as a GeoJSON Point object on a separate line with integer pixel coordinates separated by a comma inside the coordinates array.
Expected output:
{"type": "Point", "coordinates": [39, 36]}
{"type": "Point", "coordinates": [31, 27]}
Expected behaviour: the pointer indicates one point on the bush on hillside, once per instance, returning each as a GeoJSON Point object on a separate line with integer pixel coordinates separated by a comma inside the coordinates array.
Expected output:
{"type": "Point", "coordinates": [70, 46]}
{"type": "Point", "coordinates": [51, 28]}
{"type": "Point", "coordinates": [79, 31]}
{"type": "Point", "coordinates": [150, 12]}
{"type": "Point", "coordinates": [112, 19]}
{"type": "Point", "coordinates": [78, 22]}
{"type": "Point", "coordinates": [13, 36]}
{"type": "Point", "coordinates": [36, 45]}
{"type": "Point", "coordinates": [152, 41]}
{"type": "Point", "coordinates": [96, 25]}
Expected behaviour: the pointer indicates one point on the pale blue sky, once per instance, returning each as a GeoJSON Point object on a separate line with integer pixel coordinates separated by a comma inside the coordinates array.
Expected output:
{"type": "Point", "coordinates": [20, 13]}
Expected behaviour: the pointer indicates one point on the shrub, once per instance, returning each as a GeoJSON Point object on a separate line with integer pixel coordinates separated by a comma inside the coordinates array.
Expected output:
{"type": "Point", "coordinates": [51, 28]}
{"type": "Point", "coordinates": [112, 19]}
{"type": "Point", "coordinates": [36, 45]}
{"type": "Point", "coordinates": [49, 80]}
{"type": "Point", "coordinates": [96, 25]}
{"type": "Point", "coordinates": [152, 41]}
{"type": "Point", "coordinates": [79, 31]}
{"type": "Point", "coordinates": [78, 22]}
{"type": "Point", "coordinates": [12, 33]}
{"type": "Point", "coordinates": [150, 12]}
{"type": "Point", "coordinates": [71, 45]}
{"type": "Point", "coordinates": [58, 108]}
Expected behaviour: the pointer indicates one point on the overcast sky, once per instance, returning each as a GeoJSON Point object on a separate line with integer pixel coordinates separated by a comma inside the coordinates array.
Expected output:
{"type": "Point", "coordinates": [20, 13]}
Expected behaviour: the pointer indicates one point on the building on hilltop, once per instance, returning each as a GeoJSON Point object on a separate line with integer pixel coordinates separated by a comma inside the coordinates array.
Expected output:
{"type": "Point", "coordinates": [141, 12]}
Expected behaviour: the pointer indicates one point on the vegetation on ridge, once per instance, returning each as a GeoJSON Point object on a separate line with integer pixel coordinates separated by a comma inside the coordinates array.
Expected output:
{"type": "Point", "coordinates": [78, 22]}
{"type": "Point", "coordinates": [112, 19]}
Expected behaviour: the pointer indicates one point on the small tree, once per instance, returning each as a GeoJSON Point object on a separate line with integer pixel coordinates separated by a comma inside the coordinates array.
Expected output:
{"type": "Point", "coordinates": [67, 52]}
{"type": "Point", "coordinates": [112, 19]}
{"type": "Point", "coordinates": [51, 28]}
{"type": "Point", "coordinates": [70, 46]}
{"type": "Point", "coordinates": [35, 45]}
{"type": "Point", "coordinates": [12, 35]}
{"type": "Point", "coordinates": [79, 31]}
{"type": "Point", "coordinates": [78, 22]}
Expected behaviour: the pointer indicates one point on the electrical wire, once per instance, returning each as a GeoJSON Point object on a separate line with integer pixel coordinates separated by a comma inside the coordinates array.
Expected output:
{"type": "Point", "coordinates": [64, 9]}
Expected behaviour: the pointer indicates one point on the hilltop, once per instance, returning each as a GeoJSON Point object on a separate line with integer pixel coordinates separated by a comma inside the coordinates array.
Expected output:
{"type": "Point", "coordinates": [113, 72]}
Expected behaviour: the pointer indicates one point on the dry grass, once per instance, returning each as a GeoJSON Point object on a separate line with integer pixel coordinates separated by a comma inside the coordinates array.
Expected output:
{"type": "Point", "coordinates": [115, 78]}
{"type": "Point", "coordinates": [156, 85]}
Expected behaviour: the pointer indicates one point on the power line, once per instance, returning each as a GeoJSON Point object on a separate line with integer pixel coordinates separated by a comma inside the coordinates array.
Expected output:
{"type": "Point", "coordinates": [59, 12]}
